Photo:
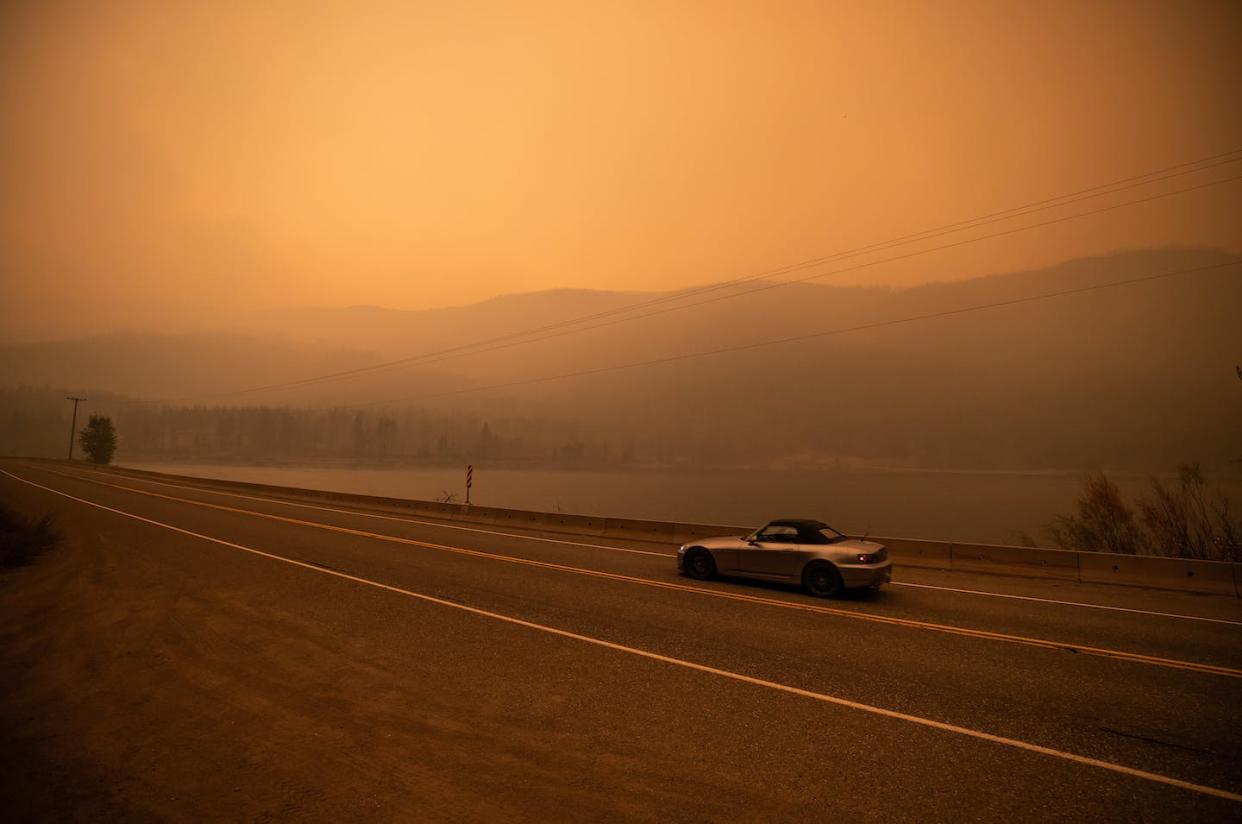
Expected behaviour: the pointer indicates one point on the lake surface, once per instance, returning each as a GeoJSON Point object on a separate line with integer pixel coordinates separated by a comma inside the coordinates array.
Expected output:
{"type": "Point", "coordinates": [977, 507]}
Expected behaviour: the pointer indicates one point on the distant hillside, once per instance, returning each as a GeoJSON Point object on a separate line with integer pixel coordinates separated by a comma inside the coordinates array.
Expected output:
{"type": "Point", "coordinates": [170, 366]}
{"type": "Point", "coordinates": [398, 333]}
{"type": "Point", "coordinates": [1136, 377]}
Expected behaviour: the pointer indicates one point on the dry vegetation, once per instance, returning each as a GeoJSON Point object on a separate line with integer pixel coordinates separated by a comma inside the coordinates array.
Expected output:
{"type": "Point", "coordinates": [1183, 519]}
{"type": "Point", "coordinates": [21, 539]}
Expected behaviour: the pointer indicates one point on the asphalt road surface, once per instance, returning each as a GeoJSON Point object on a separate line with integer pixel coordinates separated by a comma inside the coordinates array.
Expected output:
{"type": "Point", "coordinates": [195, 652]}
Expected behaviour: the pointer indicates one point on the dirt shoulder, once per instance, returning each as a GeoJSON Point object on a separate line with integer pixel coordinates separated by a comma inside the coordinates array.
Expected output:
{"type": "Point", "coordinates": [45, 632]}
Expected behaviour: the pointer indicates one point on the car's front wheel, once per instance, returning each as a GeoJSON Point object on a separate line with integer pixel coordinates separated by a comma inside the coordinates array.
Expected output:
{"type": "Point", "coordinates": [821, 579]}
{"type": "Point", "coordinates": [699, 564]}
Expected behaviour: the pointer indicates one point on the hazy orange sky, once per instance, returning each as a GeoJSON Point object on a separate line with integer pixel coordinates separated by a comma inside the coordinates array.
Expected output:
{"type": "Point", "coordinates": [407, 154]}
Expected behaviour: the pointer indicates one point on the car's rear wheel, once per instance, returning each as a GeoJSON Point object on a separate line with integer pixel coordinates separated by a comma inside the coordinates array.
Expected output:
{"type": "Point", "coordinates": [821, 579]}
{"type": "Point", "coordinates": [700, 564]}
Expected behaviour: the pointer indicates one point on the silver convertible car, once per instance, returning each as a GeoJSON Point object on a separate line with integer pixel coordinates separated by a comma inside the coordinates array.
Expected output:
{"type": "Point", "coordinates": [810, 553]}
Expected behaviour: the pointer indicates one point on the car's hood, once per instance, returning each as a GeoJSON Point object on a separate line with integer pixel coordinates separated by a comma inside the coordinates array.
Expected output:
{"type": "Point", "coordinates": [718, 543]}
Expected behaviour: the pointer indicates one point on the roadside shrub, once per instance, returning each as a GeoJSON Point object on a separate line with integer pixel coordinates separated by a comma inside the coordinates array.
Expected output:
{"type": "Point", "coordinates": [1188, 520]}
{"type": "Point", "coordinates": [1185, 519]}
{"type": "Point", "coordinates": [1104, 522]}
{"type": "Point", "coordinates": [21, 539]}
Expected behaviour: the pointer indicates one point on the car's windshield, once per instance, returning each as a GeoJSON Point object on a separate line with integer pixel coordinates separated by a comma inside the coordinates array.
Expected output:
{"type": "Point", "coordinates": [831, 535]}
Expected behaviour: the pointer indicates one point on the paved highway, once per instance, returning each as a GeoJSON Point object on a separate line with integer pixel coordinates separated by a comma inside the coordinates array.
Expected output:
{"type": "Point", "coordinates": [192, 651]}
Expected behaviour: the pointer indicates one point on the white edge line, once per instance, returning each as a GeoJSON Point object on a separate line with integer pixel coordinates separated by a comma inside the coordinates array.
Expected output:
{"type": "Point", "coordinates": [679, 662]}
{"type": "Point", "coordinates": [1068, 603]}
{"type": "Point", "coordinates": [399, 519]}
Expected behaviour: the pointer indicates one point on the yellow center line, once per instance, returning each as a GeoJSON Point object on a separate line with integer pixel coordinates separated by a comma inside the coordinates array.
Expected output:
{"type": "Point", "coordinates": [696, 590]}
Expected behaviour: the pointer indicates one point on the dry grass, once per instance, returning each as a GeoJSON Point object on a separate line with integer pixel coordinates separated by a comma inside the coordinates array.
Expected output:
{"type": "Point", "coordinates": [22, 539]}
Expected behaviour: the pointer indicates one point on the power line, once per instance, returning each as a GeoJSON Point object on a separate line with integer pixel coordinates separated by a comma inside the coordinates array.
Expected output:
{"type": "Point", "coordinates": [512, 339]}
{"type": "Point", "coordinates": [452, 354]}
{"type": "Point", "coordinates": [812, 335]}
{"type": "Point", "coordinates": [926, 234]}
{"type": "Point", "coordinates": [787, 283]}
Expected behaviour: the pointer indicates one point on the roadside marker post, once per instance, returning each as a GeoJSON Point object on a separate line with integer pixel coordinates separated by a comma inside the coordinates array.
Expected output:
{"type": "Point", "coordinates": [469, 481]}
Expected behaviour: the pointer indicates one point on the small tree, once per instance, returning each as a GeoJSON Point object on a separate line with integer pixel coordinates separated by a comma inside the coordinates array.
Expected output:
{"type": "Point", "coordinates": [98, 439]}
{"type": "Point", "coordinates": [1189, 520]}
{"type": "Point", "coordinates": [1104, 523]}
{"type": "Point", "coordinates": [1184, 520]}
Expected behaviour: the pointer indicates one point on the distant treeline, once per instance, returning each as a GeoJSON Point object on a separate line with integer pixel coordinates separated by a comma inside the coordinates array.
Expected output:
{"type": "Point", "coordinates": [35, 422]}
{"type": "Point", "coordinates": [749, 430]}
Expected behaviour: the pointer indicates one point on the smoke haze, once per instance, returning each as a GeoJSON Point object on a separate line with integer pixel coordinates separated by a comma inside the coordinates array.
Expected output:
{"type": "Point", "coordinates": [167, 161]}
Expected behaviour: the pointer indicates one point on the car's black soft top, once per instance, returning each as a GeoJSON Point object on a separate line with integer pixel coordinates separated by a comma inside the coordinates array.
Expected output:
{"type": "Point", "coordinates": [808, 529]}
{"type": "Point", "coordinates": [799, 523]}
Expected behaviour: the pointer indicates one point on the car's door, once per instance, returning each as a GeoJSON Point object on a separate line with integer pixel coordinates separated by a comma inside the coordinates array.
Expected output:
{"type": "Point", "coordinates": [789, 562]}
{"type": "Point", "coordinates": [772, 552]}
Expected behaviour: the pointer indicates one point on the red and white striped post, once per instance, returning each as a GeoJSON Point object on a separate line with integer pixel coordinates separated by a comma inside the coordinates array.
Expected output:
{"type": "Point", "coordinates": [469, 481]}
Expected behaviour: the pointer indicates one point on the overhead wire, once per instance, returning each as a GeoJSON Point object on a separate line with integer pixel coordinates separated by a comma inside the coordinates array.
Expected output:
{"type": "Point", "coordinates": [684, 356]}
{"type": "Point", "coordinates": [788, 283]}
{"type": "Point", "coordinates": [481, 347]}
{"type": "Point", "coordinates": [567, 327]}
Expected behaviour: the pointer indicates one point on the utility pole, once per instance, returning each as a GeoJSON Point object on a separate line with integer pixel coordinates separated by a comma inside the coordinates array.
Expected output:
{"type": "Point", "coordinates": [74, 423]}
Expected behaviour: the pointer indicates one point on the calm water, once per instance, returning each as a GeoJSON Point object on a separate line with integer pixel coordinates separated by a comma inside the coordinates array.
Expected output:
{"type": "Point", "coordinates": [991, 508]}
